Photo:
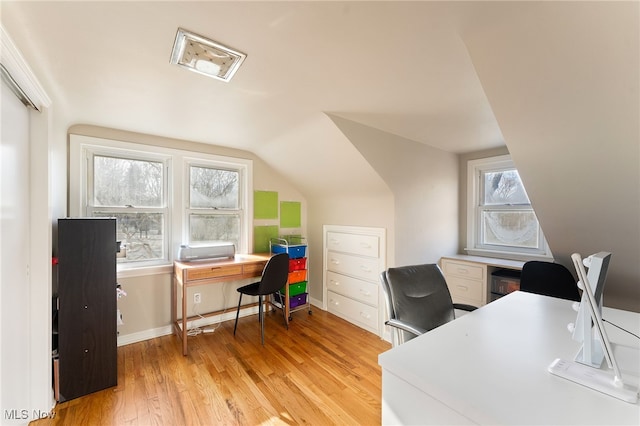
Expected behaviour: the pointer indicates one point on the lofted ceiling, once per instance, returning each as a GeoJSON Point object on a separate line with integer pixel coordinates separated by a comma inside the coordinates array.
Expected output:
{"type": "Point", "coordinates": [400, 67]}
{"type": "Point", "coordinates": [555, 81]}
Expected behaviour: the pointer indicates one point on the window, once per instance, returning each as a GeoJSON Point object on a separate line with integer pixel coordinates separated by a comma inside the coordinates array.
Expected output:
{"type": "Point", "coordinates": [161, 197]}
{"type": "Point", "coordinates": [132, 190]}
{"type": "Point", "coordinates": [501, 220]}
{"type": "Point", "coordinates": [214, 205]}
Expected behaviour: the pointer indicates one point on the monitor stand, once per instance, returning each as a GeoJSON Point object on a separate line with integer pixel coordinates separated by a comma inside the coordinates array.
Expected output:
{"type": "Point", "coordinates": [605, 381]}
{"type": "Point", "coordinates": [594, 378]}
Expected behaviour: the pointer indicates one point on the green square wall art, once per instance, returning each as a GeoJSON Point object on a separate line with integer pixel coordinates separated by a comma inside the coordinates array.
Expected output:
{"type": "Point", "coordinates": [290, 214]}
{"type": "Point", "coordinates": [265, 205]}
{"type": "Point", "coordinates": [261, 237]}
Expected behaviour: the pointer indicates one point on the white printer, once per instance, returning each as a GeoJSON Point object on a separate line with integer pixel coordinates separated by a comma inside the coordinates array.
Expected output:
{"type": "Point", "coordinates": [224, 250]}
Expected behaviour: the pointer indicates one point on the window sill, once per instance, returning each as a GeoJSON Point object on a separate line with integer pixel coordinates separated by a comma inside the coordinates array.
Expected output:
{"type": "Point", "coordinates": [124, 271]}
{"type": "Point", "coordinates": [508, 255]}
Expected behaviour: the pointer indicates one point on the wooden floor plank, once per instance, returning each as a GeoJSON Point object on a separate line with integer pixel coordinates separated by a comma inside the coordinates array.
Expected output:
{"type": "Point", "coordinates": [321, 371]}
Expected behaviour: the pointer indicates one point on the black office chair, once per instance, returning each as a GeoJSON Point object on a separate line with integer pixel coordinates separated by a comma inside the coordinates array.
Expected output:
{"type": "Point", "coordinates": [548, 279]}
{"type": "Point", "coordinates": [274, 277]}
{"type": "Point", "coordinates": [418, 300]}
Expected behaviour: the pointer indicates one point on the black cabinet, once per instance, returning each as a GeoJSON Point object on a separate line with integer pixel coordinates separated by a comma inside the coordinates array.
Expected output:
{"type": "Point", "coordinates": [87, 306]}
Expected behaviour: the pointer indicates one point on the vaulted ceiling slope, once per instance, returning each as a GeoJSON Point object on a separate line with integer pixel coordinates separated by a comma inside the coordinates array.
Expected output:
{"type": "Point", "coordinates": [400, 67]}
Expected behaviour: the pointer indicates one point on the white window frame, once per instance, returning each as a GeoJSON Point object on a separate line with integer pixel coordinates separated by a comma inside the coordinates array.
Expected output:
{"type": "Point", "coordinates": [177, 196]}
{"type": "Point", "coordinates": [475, 168]}
{"type": "Point", "coordinates": [88, 209]}
{"type": "Point", "coordinates": [243, 196]}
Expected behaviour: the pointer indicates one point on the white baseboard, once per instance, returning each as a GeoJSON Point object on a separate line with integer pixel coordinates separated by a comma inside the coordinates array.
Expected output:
{"type": "Point", "coordinates": [317, 303]}
{"type": "Point", "coordinates": [152, 333]}
{"type": "Point", "coordinates": [127, 339]}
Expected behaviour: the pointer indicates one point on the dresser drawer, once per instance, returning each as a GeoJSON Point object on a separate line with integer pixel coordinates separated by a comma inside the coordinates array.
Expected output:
{"type": "Point", "coordinates": [364, 315]}
{"type": "Point", "coordinates": [364, 245]}
{"type": "Point", "coordinates": [360, 267]}
{"type": "Point", "coordinates": [357, 289]}
{"type": "Point", "coordinates": [461, 269]}
{"type": "Point", "coordinates": [463, 288]}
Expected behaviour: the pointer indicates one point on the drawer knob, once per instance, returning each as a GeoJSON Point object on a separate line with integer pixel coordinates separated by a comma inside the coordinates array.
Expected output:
{"type": "Point", "coordinates": [365, 292]}
{"type": "Point", "coordinates": [335, 282]}
{"type": "Point", "coordinates": [335, 261]}
{"type": "Point", "coordinates": [365, 315]}
{"type": "Point", "coordinates": [365, 245]}
{"type": "Point", "coordinates": [462, 287]}
{"type": "Point", "coordinates": [365, 268]}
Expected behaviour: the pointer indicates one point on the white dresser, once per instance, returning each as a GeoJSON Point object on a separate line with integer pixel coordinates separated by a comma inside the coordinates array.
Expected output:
{"type": "Point", "coordinates": [468, 277]}
{"type": "Point", "coordinates": [353, 259]}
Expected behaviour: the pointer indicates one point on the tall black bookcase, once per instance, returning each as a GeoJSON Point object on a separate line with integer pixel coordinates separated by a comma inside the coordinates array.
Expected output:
{"type": "Point", "coordinates": [87, 306]}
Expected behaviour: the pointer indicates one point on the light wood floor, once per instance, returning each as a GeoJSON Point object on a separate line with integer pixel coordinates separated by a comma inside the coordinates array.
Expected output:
{"type": "Point", "coordinates": [322, 371]}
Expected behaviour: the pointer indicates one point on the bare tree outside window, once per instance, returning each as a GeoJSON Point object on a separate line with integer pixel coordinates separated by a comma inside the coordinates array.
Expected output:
{"type": "Point", "coordinates": [213, 188]}
{"type": "Point", "coordinates": [125, 182]}
{"type": "Point", "coordinates": [132, 191]}
{"type": "Point", "coordinates": [502, 223]}
{"type": "Point", "coordinates": [214, 205]}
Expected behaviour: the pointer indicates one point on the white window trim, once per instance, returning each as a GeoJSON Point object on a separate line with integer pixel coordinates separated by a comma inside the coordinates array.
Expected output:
{"type": "Point", "coordinates": [176, 198]}
{"type": "Point", "coordinates": [245, 200]}
{"type": "Point", "coordinates": [474, 167]}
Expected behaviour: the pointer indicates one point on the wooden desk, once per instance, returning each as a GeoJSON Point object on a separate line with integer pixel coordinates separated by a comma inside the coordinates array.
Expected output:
{"type": "Point", "coordinates": [490, 367]}
{"type": "Point", "coordinates": [191, 274]}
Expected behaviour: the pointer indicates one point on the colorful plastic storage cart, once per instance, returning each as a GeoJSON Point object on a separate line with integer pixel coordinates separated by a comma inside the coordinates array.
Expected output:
{"type": "Point", "coordinates": [294, 296]}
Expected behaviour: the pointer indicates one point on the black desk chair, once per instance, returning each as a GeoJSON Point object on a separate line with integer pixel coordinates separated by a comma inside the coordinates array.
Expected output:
{"type": "Point", "coordinates": [548, 279]}
{"type": "Point", "coordinates": [418, 300]}
{"type": "Point", "coordinates": [274, 277]}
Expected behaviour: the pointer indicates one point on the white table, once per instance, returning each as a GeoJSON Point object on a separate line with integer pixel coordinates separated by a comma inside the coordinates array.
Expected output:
{"type": "Point", "coordinates": [490, 367]}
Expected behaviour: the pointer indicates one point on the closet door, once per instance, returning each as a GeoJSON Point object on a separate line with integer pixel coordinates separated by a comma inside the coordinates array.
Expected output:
{"type": "Point", "coordinates": [14, 245]}
{"type": "Point", "coordinates": [87, 306]}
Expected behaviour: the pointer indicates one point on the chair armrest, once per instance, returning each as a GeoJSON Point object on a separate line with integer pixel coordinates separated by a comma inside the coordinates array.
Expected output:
{"type": "Point", "coordinates": [406, 327]}
{"type": "Point", "coordinates": [464, 307]}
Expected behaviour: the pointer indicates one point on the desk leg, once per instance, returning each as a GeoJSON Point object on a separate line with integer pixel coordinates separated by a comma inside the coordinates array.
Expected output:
{"type": "Point", "coordinates": [184, 319]}
{"type": "Point", "coordinates": [174, 304]}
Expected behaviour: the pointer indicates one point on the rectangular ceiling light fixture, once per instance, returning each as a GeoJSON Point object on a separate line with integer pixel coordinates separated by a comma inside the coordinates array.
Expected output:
{"type": "Point", "coordinates": [205, 56]}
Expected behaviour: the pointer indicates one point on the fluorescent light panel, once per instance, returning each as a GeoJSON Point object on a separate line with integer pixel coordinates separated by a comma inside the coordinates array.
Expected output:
{"type": "Point", "coordinates": [204, 56]}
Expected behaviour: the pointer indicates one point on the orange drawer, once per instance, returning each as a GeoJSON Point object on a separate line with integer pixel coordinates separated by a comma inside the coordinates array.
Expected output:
{"type": "Point", "coordinates": [297, 276]}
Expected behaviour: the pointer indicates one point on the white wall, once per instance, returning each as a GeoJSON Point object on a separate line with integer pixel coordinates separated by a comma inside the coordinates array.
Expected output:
{"type": "Point", "coordinates": [562, 80]}
{"type": "Point", "coordinates": [424, 185]}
